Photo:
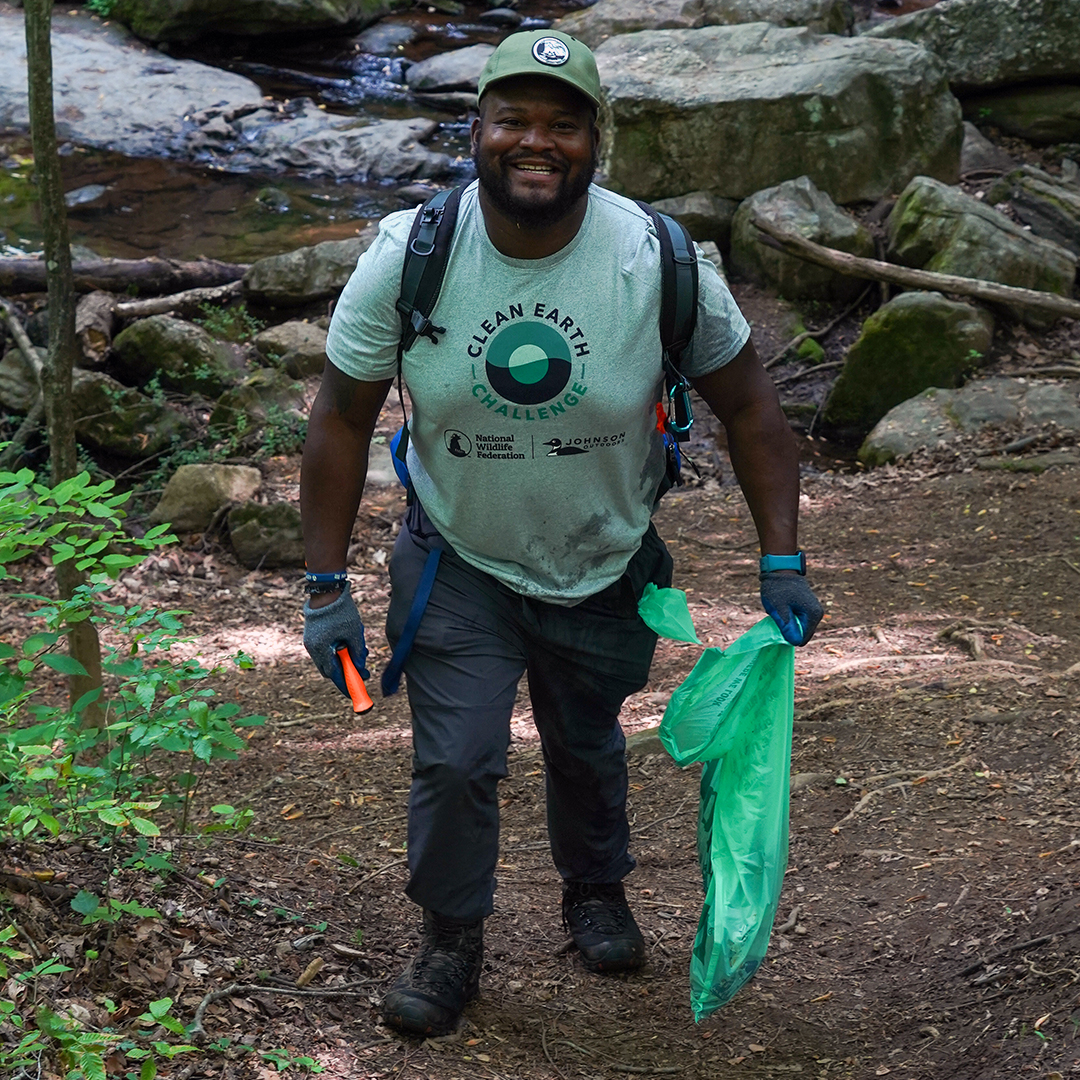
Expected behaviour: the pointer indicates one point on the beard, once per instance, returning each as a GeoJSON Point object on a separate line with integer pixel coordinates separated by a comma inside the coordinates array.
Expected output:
{"type": "Point", "coordinates": [533, 213]}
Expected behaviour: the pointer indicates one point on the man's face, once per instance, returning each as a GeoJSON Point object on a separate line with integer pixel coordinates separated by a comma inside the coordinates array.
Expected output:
{"type": "Point", "coordinates": [535, 148]}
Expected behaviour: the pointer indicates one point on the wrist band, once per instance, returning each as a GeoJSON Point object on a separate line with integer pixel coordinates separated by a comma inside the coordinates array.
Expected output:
{"type": "Point", "coordinates": [317, 584]}
{"type": "Point", "coordinates": [796, 562]}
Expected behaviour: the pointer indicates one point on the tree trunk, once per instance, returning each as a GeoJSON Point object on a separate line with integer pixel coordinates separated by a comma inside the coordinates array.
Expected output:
{"type": "Point", "coordinates": [147, 277]}
{"type": "Point", "coordinates": [63, 345]}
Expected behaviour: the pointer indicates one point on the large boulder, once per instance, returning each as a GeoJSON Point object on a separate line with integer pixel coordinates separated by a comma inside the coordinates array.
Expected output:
{"type": "Point", "coordinates": [987, 43]}
{"type": "Point", "coordinates": [706, 217]}
{"type": "Point", "coordinates": [306, 274]}
{"type": "Point", "coordinates": [195, 493]}
{"type": "Point", "coordinates": [1049, 205]}
{"type": "Point", "coordinates": [735, 109]}
{"type": "Point", "coordinates": [915, 341]}
{"type": "Point", "coordinates": [938, 417]}
{"type": "Point", "coordinates": [939, 228]}
{"type": "Point", "coordinates": [267, 536]}
{"type": "Point", "coordinates": [978, 154]}
{"type": "Point", "coordinates": [296, 347]}
{"type": "Point", "coordinates": [797, 206]}
{"type": "Point", "coordinates": [119, 420]}
{"type": "Point", "coordinates": [185, 20]}
{"type": "Point", "coordinates": [458, 69]}
{"type": "Point", "coordinates": [607, 18]}
{"type": "Point", "coordinates": [1039, 114]}
{"type": "Point", "coordinates": [179, 354]}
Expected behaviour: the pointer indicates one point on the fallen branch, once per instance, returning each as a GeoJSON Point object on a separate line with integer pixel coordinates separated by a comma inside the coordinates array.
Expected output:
{"type": "Point", "coordinates": [152, 276]}
{"type": "Point", "coordinates": [807, 372]}
{"type": "Point", "coordinates": [875, 269]}
{"type": "Point", "coordinates": [191, 298]}
{"type": "Point", "coordinates": [1031, 943]}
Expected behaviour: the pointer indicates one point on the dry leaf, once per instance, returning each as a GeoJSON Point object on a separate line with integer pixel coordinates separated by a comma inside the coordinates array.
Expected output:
{"type": "Point", "coordinates": [310, 972]}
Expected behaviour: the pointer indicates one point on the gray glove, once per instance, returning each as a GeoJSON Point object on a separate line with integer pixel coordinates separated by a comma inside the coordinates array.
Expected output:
{"type": "Point", "coordinates": [791, 602]}
{"type": "Point", "coordinates": [330, 628]}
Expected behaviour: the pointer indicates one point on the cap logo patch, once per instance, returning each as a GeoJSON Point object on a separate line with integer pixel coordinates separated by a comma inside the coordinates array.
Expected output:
{"type": "Point", "coordinates": [551, 51]}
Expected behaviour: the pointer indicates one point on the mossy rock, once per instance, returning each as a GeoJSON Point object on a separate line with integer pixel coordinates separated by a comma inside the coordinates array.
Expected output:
{"type": "Point", "coordinates": [182, 355]}
{"type": "Point", "coordinates": [267, 536]}
{"type": "Point", "coordinates": [916, 341]}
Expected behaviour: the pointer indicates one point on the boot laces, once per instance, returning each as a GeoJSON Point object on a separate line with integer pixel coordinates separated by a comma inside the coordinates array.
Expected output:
{"type": "Point", "coordinates": [600, 908]}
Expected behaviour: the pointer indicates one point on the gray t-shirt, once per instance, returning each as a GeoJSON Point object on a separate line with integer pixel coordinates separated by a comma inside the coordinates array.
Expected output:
{"type": "Point", "coordinates": [534, 445]}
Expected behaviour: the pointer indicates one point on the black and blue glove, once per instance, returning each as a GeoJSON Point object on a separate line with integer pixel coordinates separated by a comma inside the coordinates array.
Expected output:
{"type": "Point", "coordinates": [329, 628]}
{"type": "Point", "coordinates": [791, 602]}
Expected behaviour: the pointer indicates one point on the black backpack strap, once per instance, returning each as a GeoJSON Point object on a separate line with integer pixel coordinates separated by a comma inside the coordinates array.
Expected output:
{"type": "Point", "coordinates": [678, 312]}
{"type": "Point", "coordinates": [424, 267]}
{"type": "Point", "coordinates": [422, 272]}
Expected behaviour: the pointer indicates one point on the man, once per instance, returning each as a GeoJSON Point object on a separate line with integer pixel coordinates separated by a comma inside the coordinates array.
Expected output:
{"type": "Point", "coordinates": [535, 461]}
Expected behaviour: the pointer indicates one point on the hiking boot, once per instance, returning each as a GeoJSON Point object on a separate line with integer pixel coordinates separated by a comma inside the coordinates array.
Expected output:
{"type": "Point", "coordinates": [602, 926]}
{"type": "Point", "coordinates": [437, 983]}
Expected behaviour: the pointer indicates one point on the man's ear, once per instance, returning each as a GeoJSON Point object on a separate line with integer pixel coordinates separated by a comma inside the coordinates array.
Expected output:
{"type": "Point", "coordinates": [474, 133]}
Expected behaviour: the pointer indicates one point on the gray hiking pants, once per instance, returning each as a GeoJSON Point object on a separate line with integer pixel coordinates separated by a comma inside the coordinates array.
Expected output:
{"type": "Point", "coordinates": [475, 641]}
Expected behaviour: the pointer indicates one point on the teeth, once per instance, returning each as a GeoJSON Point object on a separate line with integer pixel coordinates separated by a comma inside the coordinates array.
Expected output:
{"type": "Point", "coordinates": [536, 168]}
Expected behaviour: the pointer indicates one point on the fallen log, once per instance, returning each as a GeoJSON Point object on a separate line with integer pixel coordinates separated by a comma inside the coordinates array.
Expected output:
{"type": "Point", "coordinates": [94, 325]}
{"type": "Point", "coordinates": [151, 277]}
{"type": "Point", "coordinates": [876, 270]}
{"type": "Point", "coordinates": [192, 298]}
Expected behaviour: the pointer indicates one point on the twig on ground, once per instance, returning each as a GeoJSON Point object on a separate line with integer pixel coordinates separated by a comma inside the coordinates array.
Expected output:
{"type": "Point", "coordinates": [1031, 943]}
{"type": "Point", "coordinates": [660, 821]}
{"type": "Point", "coordinates": [1070, 565]}
{"type": "Point", "coordinates": [790, 922]}
{"type": "Point", "coordinates": [547, 1053]}
{"type": "Point", "coordinates": [375, 873]}
{"type": "Point", "coordinates": [806, 335]}
{"type": "Point", "coordinates": [807, 372]}
{"type": "Point", "coordinates": [344, 990]}
{"type": "Point", "coordinates": [875, 792]}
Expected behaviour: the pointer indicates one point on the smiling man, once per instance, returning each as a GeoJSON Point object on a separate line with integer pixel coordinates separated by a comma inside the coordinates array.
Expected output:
{"type": "Point", "coordinates": [535, 461]}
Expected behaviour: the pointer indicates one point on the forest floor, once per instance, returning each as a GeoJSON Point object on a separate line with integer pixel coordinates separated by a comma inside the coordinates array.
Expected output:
{"type": "Point", "coordinates": [930, 916]}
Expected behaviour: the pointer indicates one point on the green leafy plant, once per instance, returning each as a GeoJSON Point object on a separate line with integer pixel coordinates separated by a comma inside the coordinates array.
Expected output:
{"type": "Point", "coordinates": [104, 8]}
{"type": "Point", "coordinates": [283, 1059]}
{"type": "Point", "coordinates": [233, 323]}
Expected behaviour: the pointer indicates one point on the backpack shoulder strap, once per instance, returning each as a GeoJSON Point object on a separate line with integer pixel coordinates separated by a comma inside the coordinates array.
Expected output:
{"type": "Point", "coordinates": [678, 310]}
{"type": "Point", "coordinates": [424, 267]}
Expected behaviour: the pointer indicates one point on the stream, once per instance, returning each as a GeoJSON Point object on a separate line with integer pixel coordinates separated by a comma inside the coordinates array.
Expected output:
{"type": "Point", "coordinates": [124, 207]}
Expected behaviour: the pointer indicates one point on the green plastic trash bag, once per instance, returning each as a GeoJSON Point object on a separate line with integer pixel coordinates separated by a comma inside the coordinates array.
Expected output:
{"type": "Point", "coordinates": [734, 713]}
{"type": "Point", "coordinates": [666, 612]}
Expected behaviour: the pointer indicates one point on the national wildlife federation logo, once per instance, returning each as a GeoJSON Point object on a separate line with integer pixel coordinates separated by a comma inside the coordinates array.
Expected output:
{"type": "Point", "coordinates": [551, 51]}
{"type": "Point", "coordinates": [528, 362]}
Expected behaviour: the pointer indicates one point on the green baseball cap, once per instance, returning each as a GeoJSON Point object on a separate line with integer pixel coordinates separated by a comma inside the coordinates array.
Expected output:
{"type": "Point", "coordinates": [544, 52]}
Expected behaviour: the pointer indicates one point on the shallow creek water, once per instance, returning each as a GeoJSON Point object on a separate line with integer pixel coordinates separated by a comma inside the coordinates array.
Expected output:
{"type": "Point", "coordinates": [152, 207]}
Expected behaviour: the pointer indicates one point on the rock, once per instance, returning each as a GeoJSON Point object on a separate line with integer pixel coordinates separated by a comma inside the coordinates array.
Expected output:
{"type": "Point", "coordinates": [646, 741]}
{"type": "Point", "coordinates": [939, 417]}
{"type": "Point", "coordinates": [707, 217]}
{"type": "Point", "coordinates": [310, 140]}
{"type": "Point", "coordinates": [297, 347]}
{"type": "Point", "coordinates": [1049, 205]}
{"type": "Point", "coordinates": [195, 112]}
{"type": "Point", "coordinates": [988, 43]}
{"type": "Point", "coordinates": [94, 69]}
{"type": "Point", "coordinates": [306, 274]}
{"type": "Point", "coordinates": [916, 341]}
{"type": "Point", "coordinates": [248, 408]}
{"type": "Point", "coordinates": [607, 18]}
{"type": "Point", "coordinates": [979, 154]}
{"type": "Point", "coordinates": [385, 39]}
{"type": "Point", "coordinates": [18, 386]}
{"type": "Point", "coordinates": [380, 469]}
{"type": "Point", "coordinates": [859, 117]}
{"type": "Point", "coordinates": [939, 228]}
{"type": "Point", "coordinates": [180, 354]}
{"type": "Point", "coordinates": [267, 536]}
{"type": "Point", "coordinates": [1039, 114]}
{"type": "Point", "coordinates": [118, 420]}
{"type": "Point", "coordinates": [501, 16]}
{"type": "Point", "coordinates": [712, 253]}
{"type": "Point", "coordinates": [797, 206]}
{"type": "Point", "coordinates": [195, 493]}
{"type": "Point", "coordinates": [182, 20]}
{"type": "Point", "coordinates": [456, 70]}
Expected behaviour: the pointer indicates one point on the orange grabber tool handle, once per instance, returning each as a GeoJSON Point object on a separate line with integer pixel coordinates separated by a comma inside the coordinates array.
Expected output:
{"type": "Point", "coordinates": [361, 699]}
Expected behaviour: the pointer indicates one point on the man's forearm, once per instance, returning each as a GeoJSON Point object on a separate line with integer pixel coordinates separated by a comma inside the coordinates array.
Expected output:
{"type": "Point", "coordinates": [766, 463]}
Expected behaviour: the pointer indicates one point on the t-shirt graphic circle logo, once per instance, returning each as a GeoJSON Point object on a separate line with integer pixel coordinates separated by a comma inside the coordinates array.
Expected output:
{"type": "Point", "coordinates": [457, 442]}
{"type": "Point", "coordinates": [528, 363]}
{"type": "Point", "coordinates": [551, 51]}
